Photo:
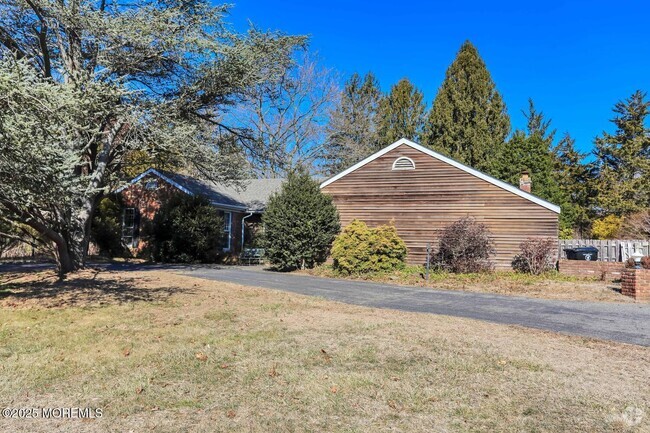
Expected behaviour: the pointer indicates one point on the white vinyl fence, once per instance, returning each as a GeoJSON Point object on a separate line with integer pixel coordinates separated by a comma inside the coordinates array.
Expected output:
{"type": "Point", "coordinates": [610, 250]}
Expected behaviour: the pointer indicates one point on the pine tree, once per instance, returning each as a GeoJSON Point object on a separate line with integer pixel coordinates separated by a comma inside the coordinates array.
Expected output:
{"type": "Point", "coordinates": [574, 182]}
{"type": "Point", "coordinates": [530, 150]}
{"type": "Point", "coordinates": [300, 224]}
{"type": "Point", "coordinates": [352, 131]}
{"type": "Point", "coordinates": [622, 163]}
{"type": "Point", "coordinates": [401, 113]}
{"type": "Point", "coordinates": [468, 120]}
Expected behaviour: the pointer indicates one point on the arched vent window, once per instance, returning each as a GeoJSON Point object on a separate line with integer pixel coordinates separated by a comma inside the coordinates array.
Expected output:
{"type": "Point", "coordinates": [403, 163]}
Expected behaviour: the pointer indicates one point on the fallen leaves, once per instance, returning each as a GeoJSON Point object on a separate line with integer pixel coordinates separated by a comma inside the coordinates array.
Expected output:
{"type": "Point", "coordinates": [126, 352]}
{"type": "Point", "coordinates": [393, 405]}
{"type": "Point", "coordinates": [326, 356]}
{"type": "Point", "coordinates": [201, 356]}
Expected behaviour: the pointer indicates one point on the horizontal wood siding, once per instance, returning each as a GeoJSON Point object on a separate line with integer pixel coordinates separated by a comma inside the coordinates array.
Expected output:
{"type": "Point", "coordinates": [425, 200]}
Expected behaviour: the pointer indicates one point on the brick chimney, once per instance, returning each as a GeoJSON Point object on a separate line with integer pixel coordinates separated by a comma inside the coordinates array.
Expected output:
{"type": "Point", "coordinates": [524, 181]}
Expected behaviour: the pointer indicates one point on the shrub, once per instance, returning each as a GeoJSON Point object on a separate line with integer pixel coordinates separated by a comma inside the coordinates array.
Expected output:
{"type": "Point", "coordinates": [566, 233]}
{"type": "Point", "coordinates": [645, 263]}
{"type": "Point", "coordinates": [537, 256]}
{"type": "Point", "coordinates": [464, 247]}
{"type": "Point", "coordinates": [300, 223]}
{"type": "Point", "coordinates": [106, 228]}
{"type": "Point", "coordinates": [360, 249]}
{"type": "Point", "coordinates": [185, 229]}
{"type": "Point", "coordinates": [607, 227]}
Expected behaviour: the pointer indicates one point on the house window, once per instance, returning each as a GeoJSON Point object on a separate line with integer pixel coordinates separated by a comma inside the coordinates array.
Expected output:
{"type": "Point", "coordinates": [403, 163]}
{"type": "Point", "coordinates": [227, 229]}
{"type": "Point", "coordinates": [152, 184]}
{"type": "Point", "coordinates": [128, 227]}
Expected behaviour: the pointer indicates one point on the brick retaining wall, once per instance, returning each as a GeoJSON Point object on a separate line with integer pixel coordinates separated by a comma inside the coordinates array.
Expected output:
{"type": "Point", "coordinates": [607, 271]}
{"type": "Point", "coordinates": [636, 283]}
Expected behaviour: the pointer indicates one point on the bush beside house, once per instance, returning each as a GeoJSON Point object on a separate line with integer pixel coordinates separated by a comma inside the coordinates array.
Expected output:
{"type": "Point", "coordinates": [106, 229]}
{"type": "Point", "coordinates": [361, 250]}
{"type": "Point", "coordinates": [300, 223]}
{"type": "Point", "coordinates": [185, 229]}
{"type": "Point", "coordinates": [537, 256]}
{"type": "Point", "coordinates": [465, 246]}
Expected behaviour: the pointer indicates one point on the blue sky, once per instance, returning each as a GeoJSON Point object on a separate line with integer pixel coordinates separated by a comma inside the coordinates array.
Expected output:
{"type": "Point", "coordinates": [575, 59]}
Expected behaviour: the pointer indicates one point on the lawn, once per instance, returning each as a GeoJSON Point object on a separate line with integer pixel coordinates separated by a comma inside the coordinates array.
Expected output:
{"type": "Point", "coordinates": [168, 353]}
{"type": "Point", "coordinates": [550, 285]}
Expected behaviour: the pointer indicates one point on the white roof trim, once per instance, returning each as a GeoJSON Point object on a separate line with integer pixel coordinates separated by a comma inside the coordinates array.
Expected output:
{"type": "Point", "coordinates": [156, 173]}
{"type": "Point", "coordinates": [510, 188]}
{"type": "Point", "coordinates": [174, 184]}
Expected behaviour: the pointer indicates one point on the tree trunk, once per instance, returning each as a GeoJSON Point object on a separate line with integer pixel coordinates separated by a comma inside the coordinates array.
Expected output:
{"type": "Point", "coordinates": [71, 247]}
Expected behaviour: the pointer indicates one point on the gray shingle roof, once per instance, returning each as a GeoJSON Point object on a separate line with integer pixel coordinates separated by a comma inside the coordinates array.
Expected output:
{"type": "Point", "coordinates": [252, 196]}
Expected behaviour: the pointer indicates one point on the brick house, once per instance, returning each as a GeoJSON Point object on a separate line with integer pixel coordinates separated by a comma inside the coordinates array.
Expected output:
{"type": "Point", "coordinates": [241, 208]}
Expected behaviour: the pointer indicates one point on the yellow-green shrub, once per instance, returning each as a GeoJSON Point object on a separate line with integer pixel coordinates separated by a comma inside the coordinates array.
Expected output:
{"type": "Point", "coordinates": [607, 227]}
{"type": "Point", "coordinates": [360, 249]}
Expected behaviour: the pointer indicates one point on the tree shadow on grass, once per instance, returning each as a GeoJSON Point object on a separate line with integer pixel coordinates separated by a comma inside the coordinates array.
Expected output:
{"type": "Point", "coordinates": [88, 288]}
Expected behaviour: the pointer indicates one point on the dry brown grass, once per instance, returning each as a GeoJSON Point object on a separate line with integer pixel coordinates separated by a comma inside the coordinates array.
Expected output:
{"type": "Point", "coordinates": [547, 286]}
{"type": "Point", "coordinates": [168, 353]}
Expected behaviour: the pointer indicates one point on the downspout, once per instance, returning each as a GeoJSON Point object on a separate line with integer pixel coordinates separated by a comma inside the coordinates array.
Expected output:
{"type": "Point", "coordinates": [243, 226]}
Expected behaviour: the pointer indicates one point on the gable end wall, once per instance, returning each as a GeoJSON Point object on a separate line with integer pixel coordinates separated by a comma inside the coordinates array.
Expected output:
{"type": "Point", "coordinates": [423, 201]}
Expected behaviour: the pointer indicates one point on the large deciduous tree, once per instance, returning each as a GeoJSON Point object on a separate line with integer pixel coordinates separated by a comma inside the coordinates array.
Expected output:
{"type": "Point", "coordinates": [352, 132]}
{"type": "Point", "coordinates": [288, 118]}
{"type": "Point", "coordinates": [401, 113]}
{"type": "Point", "coordinates": [468, 120]}
{"type": "Point", "coordinates": [84, 83]}
{"type": "Point", "coordinates": [622, 165]}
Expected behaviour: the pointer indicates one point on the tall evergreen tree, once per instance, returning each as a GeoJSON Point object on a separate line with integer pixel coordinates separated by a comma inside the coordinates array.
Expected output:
{"type": "Point", "coordinates": [300, 224]}
{"type": "Point", "coordinates": [401, 113]}
{"type": "Point", "coordinates": [468, 120]}
{"type": "Point", "coordinates": [622, 163]}
{"type": "Point", "coordinates": [352, 131]}
{"type": "Point", "coordinates": [573, 180]}
{"type": "Point", "coordinates": [529, 150]}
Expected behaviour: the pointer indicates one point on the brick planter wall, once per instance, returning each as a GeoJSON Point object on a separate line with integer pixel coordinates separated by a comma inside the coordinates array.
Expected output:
{"type": "Point", "coordinates": [608, 271]}
{"type": "Point", "coordinates": [636, 283]}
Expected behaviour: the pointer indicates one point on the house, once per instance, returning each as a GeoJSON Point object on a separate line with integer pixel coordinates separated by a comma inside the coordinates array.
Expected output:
{"type": "Point", "coordinates": [241, 208]}
{"type": "Point", "coordinates": [423, 191]}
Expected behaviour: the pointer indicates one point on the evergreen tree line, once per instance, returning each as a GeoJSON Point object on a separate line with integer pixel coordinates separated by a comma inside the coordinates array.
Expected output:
{"type": "Point", "coordinates": [468, 121]}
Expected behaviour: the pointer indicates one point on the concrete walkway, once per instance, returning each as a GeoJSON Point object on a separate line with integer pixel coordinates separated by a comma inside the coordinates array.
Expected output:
{"type": "Point", "coordinates": [626, 323]}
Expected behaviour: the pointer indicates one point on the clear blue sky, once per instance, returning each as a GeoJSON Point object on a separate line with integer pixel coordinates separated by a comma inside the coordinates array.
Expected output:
{"type": "Point", "coordinates": [575, 59]}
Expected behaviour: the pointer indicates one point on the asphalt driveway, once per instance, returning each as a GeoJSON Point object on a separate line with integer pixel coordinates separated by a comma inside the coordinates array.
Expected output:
{"type": "Point", "coordinates": [626, 323]}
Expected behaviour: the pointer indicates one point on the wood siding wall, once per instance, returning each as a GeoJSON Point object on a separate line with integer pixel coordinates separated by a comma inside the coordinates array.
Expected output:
{"type": "Point", "coordinates": [424, 200]}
